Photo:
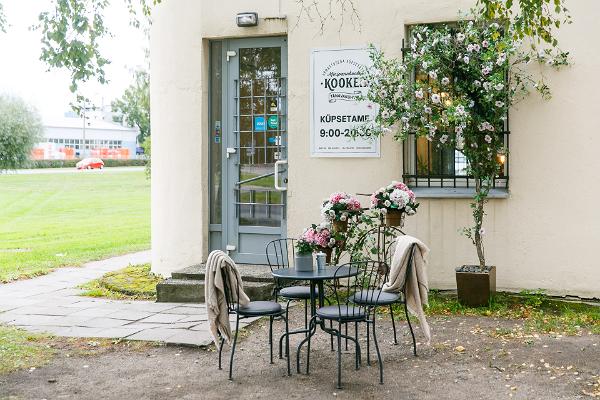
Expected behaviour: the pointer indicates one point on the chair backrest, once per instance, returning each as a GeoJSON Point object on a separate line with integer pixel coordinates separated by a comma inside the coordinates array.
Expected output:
{"type": "Point", "coordinates": [280, 253]}
{"type": "Point", "coordinates": [376, 244]}
{"type": "Point", "coordinates": [232, 289]}
{"type": "Point", "coordinates": [366, 281]}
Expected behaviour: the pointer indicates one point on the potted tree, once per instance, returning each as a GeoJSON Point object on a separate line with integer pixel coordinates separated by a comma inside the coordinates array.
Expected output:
{"type": "Point", "coordinates": [468, 74]}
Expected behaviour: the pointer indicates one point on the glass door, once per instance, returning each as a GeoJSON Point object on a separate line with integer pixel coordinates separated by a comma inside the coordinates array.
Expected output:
{"type": "Point", "coordinates": [255, 155]}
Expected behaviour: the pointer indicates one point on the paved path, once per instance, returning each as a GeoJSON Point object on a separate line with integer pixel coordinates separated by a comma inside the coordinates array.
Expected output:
{"type": "Point", "coordinates": [52, 303]}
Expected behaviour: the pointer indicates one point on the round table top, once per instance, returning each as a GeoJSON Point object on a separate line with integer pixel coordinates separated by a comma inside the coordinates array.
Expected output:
{"type": "Point", "coordinates": [316, 274]}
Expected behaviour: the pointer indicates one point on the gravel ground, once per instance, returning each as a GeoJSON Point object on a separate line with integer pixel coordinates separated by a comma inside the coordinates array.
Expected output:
{"type": "Point", "coordinates": [478, 358]}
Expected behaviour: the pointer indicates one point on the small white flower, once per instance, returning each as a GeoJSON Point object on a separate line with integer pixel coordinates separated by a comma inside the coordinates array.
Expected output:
{"type": "Point", "coordinates": [443, 139]}
{"type": "Point", "coordinates": [499, 104]}
{"type": "Point", "coordinates": [485, 44]}
{"type": "Point", "coordinates": [477, 83]}
{"type": "Point", "coordinates": [482, 231]}
{"type": "Point", "coordinates": [466, 59]}
{"type": "Point", "coordinates": [435, 98]}
{"type": "Point", "coordinates": [487, 86]}
{"type": "Point", "coordinates": [476, 47]}
{"type": "Point", "coordinates": [419, 94]}
{"type": "Point", "coordinates": [488, 138]}
{"type": "Point", "coordinates": [460, 142]}
{"type": "Point", "coordinates": [385, 114]}
{"type": "Point", "coordinates": [433, 75]}
{"type": "Point", "coordinates": [499, 86]}
{"type": "Point", "coordinates": [383, 93]}
{"type": "Point", "coordinates": [405, 119]}
{"type": "Point", "coordinates": [460, 37]}
{"type": "Point", "coordinates": [460, 110]}
{"type": "Point", "coordinates": [331, 242]}
{"type": "Point", "coordinates": [458, 129]}
{"type": "Point", "coordinates": [486, 70]}
{"type": "Point", "coordinates": [471, 104]}
{"type": "Point", "coordinates": [343, 217]}
{"type": "Point", "coordinates": [445, 81]}
{"type": "Point", "coordinates": [427, 110]}
{"type": "Point", "coordinates": [425, 64]}
{"type": "Point", "coordinates": [387, 203]}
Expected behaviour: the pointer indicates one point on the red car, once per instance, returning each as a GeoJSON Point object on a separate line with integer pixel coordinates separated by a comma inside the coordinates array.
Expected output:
{"type": "Point", "coordinates": [90, 163]}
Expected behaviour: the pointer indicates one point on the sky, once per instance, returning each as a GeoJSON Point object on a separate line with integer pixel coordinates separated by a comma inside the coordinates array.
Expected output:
{"type": "Point", "coordinates": [24, 75]}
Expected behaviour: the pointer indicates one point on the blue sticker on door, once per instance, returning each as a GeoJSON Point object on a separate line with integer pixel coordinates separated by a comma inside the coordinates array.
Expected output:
{"type": "Point", "coordinates": [260, 124]}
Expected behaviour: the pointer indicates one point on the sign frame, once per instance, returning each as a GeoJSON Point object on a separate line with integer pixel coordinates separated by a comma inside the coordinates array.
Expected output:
{"type": "Point", "coordinates": [374, 152]}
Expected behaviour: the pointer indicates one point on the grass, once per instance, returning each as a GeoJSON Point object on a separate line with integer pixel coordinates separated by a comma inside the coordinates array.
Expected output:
{"type": "Point", "coordinates": [21, 349]}
{"type": "Point", "coordinates": [541, 313]}
{"type": "Point", "coordinates": [133, 282]}
{"type": "Point", "coordinates": [54, 220]}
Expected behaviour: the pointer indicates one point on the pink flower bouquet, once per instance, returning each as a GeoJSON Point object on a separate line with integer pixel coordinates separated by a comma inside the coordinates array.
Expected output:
{"type": "Point", "coordinates": [396, 196]}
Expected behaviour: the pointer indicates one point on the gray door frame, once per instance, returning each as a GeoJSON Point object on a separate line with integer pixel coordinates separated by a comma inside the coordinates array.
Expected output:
{"type": "Point", "coordinates": [231, 231]}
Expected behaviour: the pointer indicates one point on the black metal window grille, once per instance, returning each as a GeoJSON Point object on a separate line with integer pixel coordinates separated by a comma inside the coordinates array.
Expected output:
{"type": "Point", "coordinates": [426, 165]}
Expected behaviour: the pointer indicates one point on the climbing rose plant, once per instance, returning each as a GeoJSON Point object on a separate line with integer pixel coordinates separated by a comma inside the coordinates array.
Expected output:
{"type": "Point", "coordinates": [454, 86]}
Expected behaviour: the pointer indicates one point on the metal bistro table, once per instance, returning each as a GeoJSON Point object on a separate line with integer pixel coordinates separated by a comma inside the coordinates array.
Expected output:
{"type": "Point", "coordinates": [316, 277]}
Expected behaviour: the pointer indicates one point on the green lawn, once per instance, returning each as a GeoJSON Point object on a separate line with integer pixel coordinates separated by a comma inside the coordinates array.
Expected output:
{"type": "Point", "coordinates": [54, 220]}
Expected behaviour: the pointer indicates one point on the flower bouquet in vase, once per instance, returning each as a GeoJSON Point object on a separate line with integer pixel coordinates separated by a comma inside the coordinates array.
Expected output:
{"type": "Point", "coordinates": [320, 237]}
{"type": "Point", "coordinates": [303, 258]}
{"type": "Point", "coordinates": [339, 208]}
{"type": "Point", "coordinates": [394, 201]}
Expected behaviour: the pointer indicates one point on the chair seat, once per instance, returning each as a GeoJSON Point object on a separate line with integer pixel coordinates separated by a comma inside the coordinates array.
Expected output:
{"type": "Point", "coordinates": [374, 297]}
{"type": "Point", "coordinates": [297, 292]}
{"type": "Point", "coordinates": [343, 312]}
{"type": "Point", "coordinates": [257, 308]}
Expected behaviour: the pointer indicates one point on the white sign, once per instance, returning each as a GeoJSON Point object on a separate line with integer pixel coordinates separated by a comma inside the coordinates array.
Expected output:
{"type": "Point", "coordinates": [334, 106]}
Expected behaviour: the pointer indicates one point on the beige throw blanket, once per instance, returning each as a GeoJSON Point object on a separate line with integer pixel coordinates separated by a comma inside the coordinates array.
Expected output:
{"type": "Point", "coordinates": [214, 292]}
{"type": "Point", "coordinates": [416, 281]}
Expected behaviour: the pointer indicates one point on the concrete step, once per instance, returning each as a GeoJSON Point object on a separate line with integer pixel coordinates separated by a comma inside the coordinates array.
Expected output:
{"type": "Point", "coordinates": [249, 272]}
{"type": "Point", "coordinates": [192, 290]}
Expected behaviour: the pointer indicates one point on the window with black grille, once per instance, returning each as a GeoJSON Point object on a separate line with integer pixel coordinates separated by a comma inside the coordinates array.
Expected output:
{"type": "Point", "coordinates": [426, 165]}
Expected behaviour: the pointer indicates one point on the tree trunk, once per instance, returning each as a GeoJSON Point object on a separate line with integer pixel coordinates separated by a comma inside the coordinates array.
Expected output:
{"type": "Point", "coordinates": [478, 213]}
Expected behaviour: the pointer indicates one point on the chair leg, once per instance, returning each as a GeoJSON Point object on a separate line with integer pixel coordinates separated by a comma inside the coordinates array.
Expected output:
{"type": "Point", "coordinates": [287, 343]}
{"type": "Point", "coordinates": [393, 324]}
{"type": "Point", "coordinates": [359, 355]}
{"type": "Point", "coordinates": [287, 308]}
{"type": "Point", "coordinates": [339, 356]}
{"type": "Point", "coordinates": [331, 336]}
{"type": "Point", "coordinates": [221, 350]}
{"type": "Point", "coordinates": [271, 338]}
{"type": "Point", "coordinates": [368, 344]}
{"type": "Point", "coordinates": [308, 354]}
{"type": "Point", "coordinates": [346, 333]}
{"type": "Point", "coordinates": [412, 333]}
{"type": "Point", "coordinates": [237, 326]}
{"type": "Point", "coordinates": [378, 353]}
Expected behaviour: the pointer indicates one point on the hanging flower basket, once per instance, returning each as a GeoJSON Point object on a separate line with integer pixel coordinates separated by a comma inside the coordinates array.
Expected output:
{"type": "Point", "coordinates": [394, 218]}
{"type": "Point", "coordinates": [340, 226]}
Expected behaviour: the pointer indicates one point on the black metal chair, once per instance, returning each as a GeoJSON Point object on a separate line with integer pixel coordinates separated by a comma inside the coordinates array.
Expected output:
{"type": "Point", "coordinates": [370, 277]}
{"type": "Point", "coordinates": [378, 244]}
{"type": "Point", "coordinates": [280, 254]}
{"type": "Point", "coordinates": [269, 309]}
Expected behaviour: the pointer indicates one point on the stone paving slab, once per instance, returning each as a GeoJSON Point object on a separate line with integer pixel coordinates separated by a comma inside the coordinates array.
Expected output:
{"type": "Point", "coordinates": [52, 303]}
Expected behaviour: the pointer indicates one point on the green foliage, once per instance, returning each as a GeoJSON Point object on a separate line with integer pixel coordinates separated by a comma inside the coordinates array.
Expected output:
{"type": "Point", "coordinates": [54, 220]}
{"type": "Point", "coordinates": [71, 163]}
{"type": "Point", "coordinates": [134, 104]}
{"type": "Point", "coordinates": [20, 131]}
{"type": "Point", "coordinates": [132, 282]}
{"type": "Point", "coordinates": [147, 145]}
{"type": "Point", "coordinates": [21, 349]}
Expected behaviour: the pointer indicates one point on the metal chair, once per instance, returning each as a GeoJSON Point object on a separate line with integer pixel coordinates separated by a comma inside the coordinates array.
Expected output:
{"type": "Point", "coordinates": [378, 244]}
{"type": "Point", "coordinates": [269, 309]}
{"type": "Point", "coordinates": [280, 254]}
{"type": "Point", "coordinates": [370, 277]}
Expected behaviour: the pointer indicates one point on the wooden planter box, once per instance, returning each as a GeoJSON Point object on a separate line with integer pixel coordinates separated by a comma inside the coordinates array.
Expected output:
{"type": "Point", "coordinates": [476, 288]}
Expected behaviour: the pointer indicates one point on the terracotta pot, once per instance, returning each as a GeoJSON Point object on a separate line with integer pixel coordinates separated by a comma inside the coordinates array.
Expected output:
{"type": "Point", "coordinates": [394, 218]}
{"type": "Point", "coordinates": [476, 288]}
{"type": "Point", "coordinates": [340, 226]}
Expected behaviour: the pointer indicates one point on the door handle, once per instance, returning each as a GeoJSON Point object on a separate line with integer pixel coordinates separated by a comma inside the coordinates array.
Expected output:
{"type": "Point", "coordinates": [277, 164]}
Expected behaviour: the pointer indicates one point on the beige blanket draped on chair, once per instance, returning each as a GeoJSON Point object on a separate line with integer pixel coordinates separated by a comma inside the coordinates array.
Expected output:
{"type": "Point", "coordinates": [415, 281]}
{"type": "Point", "coordinates": [214, 292]}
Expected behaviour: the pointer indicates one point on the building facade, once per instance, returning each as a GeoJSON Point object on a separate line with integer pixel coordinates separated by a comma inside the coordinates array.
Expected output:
{"type": "Point", "coordinates": [70, 137]}
{"type": "Point", "coordinates": [245, 147]}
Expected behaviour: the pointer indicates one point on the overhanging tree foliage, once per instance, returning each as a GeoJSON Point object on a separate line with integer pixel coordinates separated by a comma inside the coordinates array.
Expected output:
{"type": "Point", "coordinates": [134, 105]}
{"type": "Point", "coordinates": [20, 130]}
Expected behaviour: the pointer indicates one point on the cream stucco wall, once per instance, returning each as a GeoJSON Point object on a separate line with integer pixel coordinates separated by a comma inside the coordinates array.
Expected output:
{"type": "Point", "coordinates": [543, 236]}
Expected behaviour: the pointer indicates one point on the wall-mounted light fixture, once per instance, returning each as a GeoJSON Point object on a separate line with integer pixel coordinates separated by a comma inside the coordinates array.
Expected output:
{"type": "Point", "coordinates": [246, 19]}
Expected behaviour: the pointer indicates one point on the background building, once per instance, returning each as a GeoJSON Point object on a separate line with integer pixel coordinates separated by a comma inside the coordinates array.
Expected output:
{"type": "Point", "coordinates": [69, 137]}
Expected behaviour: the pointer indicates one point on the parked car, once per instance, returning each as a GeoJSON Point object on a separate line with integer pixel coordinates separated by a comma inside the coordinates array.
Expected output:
{"type": "Point", "coordinates": [90, 163]}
